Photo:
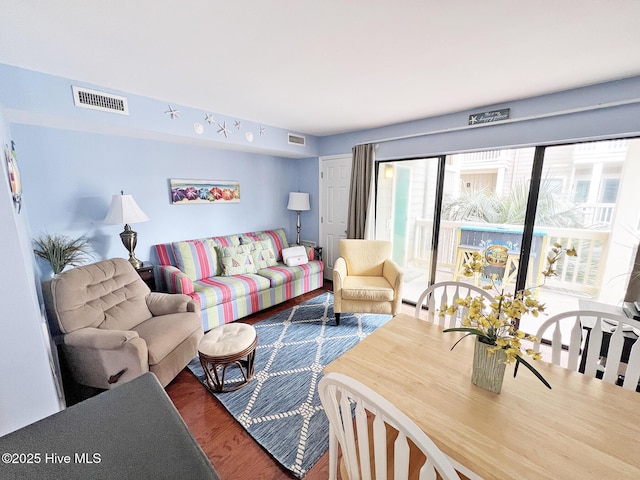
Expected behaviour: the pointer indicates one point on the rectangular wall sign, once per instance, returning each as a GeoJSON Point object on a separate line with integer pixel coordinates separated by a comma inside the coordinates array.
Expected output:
{"type": "Point", "coordinates": [488, 117]}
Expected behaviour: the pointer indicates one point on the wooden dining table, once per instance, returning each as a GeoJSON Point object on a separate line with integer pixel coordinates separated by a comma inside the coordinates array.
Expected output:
{"type": "Point", "coordinates": [582, 428]}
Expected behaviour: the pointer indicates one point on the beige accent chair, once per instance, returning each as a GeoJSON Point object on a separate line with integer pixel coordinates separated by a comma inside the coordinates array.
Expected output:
{"type": "Point", "coordinates": [366, 279]}
{"type": "Point", "coordinates": [114, 328]}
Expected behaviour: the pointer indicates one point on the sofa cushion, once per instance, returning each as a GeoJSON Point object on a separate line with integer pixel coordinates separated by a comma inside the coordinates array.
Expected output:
{"type": "Point", "coordinates": [375, 289]}
{"type": "Point", "coordinates": [163, 333]}
{"type": "Point", "coordinates": [262, 254]}
{"type": "Point", "coordinates": [281, 274]}
{"type": "Point", "coordinates": [277, 238]}
{"type": "Point", "coordinates": [237, 260]}
{"type": "Point", "coordinates": [198, 259]}
{"type": "Point", "coordinates": [217, 290]}
{"type": "Point", "coordinates": [226, 240]}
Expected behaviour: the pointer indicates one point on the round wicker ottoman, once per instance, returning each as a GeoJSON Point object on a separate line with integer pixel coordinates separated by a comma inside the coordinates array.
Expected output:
{"type": "Point", "coordinates": [226, 345]}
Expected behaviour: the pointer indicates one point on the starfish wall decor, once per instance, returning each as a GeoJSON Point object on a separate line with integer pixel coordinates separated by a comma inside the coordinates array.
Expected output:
{"type": "Point", "coordinates": [173, 113]}
{"type": "Point", "coordinates": [224, 130]}
{"type": "Point", "coordinates": [222, 127]}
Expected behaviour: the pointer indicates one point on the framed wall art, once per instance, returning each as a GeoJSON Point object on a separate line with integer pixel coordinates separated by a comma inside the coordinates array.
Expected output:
{"type": "Point", "coordinates": [188, 192]}
{"type": "Point", "coordinates": [14, 175]}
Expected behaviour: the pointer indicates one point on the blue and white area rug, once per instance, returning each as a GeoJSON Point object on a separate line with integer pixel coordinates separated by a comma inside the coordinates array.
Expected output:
{"type": "Point", "coordinates": [280, 407]}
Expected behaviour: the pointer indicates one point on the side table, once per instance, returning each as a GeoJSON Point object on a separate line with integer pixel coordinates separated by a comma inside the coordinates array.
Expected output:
{"type": "Point", "coordinates": [146, 274]}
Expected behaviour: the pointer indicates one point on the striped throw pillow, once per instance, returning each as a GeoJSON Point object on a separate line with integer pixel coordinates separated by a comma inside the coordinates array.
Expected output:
{"type": "Point", "coordinates": [198, 259]}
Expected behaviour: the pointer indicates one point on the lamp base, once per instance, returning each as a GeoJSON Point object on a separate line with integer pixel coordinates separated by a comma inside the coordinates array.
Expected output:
{"type": "Point", "coordinates": [298, 226]}
{"type": "Point", "coordinates": [135, 262]}
{"type": "Point", "coordinates": [129, 240]}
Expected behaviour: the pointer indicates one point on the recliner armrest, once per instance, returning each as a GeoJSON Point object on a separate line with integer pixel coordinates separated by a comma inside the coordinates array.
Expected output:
{"type": "Point", "coordinates": [168, 303]}
{"type": "Point", "coordinates": [105, 358]}
{"type": "Point", "coordinates": [98, 338]}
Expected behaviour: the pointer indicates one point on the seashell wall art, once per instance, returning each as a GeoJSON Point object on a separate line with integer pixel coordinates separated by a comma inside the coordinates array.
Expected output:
{"type": "Point", "coordinates": [189, 192]}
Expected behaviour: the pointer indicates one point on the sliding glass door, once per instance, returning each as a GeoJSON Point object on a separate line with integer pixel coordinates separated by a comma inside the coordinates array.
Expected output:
{"type": "Point", "coordinates": [585, 196]}
{"type": "Point", "coordinates": [406, 209]}
{"type": "Point", "coordinates": [594, 190]}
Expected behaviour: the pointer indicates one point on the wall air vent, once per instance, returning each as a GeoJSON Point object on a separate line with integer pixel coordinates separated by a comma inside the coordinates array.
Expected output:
{"type": "Point", "coordinates": [296, 139]}
{"type": "Point", "coordinates": [107, 102]}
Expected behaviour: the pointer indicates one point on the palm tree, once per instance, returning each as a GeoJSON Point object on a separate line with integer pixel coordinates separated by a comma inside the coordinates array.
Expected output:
{"type": "Point", "coordinates": [554, 209]}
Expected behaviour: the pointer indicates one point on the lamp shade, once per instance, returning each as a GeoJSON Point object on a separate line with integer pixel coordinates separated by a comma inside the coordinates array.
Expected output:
{"type": "Point", "coordinates": [298, 201]}
{"type": "Point", "coordinates": [124, 210]}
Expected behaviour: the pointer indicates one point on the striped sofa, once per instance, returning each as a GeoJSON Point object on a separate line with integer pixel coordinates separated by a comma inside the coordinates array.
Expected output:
{"type": "Point", "coordinates": [236, 275]}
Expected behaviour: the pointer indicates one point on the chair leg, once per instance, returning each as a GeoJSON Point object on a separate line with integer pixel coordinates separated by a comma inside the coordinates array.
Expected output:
{"type": "Point", "coordinates": [337, 319]}
{"type": "Point", "coordinates": [333, 455]}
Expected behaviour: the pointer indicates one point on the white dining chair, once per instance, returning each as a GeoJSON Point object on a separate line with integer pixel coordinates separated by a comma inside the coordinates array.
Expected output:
{"type": "Point", "coordinates": [366, 443]}
{"type": "Point", "coordinates": [577, 339]}
{"type": "Point", "coordinates": [436, 296]}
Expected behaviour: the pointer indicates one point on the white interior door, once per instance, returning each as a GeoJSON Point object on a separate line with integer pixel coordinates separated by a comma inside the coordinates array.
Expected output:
{"type": "Point", "coordinates": [334, 191]}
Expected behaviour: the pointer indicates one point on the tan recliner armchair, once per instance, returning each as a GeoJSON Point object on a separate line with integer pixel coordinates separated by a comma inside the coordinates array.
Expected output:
{"type": "Point", "coordinates": [115, 329]}
{"type": "Point", "coordinates": [366, 279]}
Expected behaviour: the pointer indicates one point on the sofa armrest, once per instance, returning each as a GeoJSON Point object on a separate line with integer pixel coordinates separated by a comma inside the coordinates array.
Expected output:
{"type": "Point", "coordinates": [167, 303]}
{"type": "Point", "coordinates": [105, 358]}
{"type": "Point", "coordinates": [311, 253]}
{"type": "Point", "coordinates": [173, 280]}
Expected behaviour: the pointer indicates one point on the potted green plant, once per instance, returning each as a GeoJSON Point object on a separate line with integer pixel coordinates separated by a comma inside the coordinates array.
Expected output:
{"type": "Point", "coordinates": [62, 251]}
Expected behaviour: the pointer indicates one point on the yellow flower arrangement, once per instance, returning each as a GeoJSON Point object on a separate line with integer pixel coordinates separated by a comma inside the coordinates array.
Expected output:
{"type": "Point", "coordinates": [496, 324]}
{"type": "Point", "coordinates": [474, 265]}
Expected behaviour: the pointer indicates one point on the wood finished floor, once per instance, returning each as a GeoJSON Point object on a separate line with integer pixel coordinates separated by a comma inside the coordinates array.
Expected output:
{"type": "Point", "coordinates": [234, 454]}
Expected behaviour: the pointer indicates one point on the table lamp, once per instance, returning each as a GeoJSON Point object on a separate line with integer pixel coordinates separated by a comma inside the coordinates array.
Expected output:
{"type": "Point", "coordinates": [125, 210]}
{"type": "Point", "coordinates": [298, 202]}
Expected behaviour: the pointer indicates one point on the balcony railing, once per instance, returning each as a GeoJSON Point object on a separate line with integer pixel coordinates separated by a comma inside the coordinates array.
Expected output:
{"type": "Point", "coordinates": [597, 215]}
{"type": "Point", "coordinates": [583, 273]}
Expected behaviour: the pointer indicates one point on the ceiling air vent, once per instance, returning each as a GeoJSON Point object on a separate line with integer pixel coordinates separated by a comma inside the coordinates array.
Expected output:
{"type": "Point", "coordinates": [86, 98]}
{"type": "Point", "coordinates": [296, 139]}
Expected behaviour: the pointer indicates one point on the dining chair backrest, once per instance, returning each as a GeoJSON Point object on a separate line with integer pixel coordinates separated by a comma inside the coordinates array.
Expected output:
{"type": "Point", "coordinates": [440, 294]}
{"type": "Point", "coordinates": [594, 343]}
{"type": "Point", "coordinates": [368, 450]}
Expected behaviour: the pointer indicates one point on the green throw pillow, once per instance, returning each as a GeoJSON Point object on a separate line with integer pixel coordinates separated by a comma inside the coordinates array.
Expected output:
{"type": "Point", "coordinates": [237, 260]}
{"type": "Point", "coordinates": [262, 254]}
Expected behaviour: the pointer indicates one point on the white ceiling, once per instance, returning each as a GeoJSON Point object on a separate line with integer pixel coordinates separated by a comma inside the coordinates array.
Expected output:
{"type": "Point", "coordinates": [326, 66]}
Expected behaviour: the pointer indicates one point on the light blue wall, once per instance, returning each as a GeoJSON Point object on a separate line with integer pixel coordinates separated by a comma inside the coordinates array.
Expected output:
{"type": "Point", "coordinates": [605, 110]}
{"type": "Point", "coordinates": [27, 388]}
{"type": "Point", "coordinates": [308, 176]}
{"type": "Point", "coordinates": [70, 177]}
{"type": "Point", "coordinates": [39, 99]}
{"type": "Point", "coordinates": [74, 159]}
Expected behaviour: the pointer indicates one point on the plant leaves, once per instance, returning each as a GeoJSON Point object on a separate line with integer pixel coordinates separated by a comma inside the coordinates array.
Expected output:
{"type": "Point", "coordinates": [533, 370]}
{"type": "Point", "coordinates": [469, 331]}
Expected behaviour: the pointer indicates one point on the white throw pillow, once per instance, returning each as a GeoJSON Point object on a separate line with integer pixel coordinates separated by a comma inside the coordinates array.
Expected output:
{"type": "Point", "coordinates": [293, 256]}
